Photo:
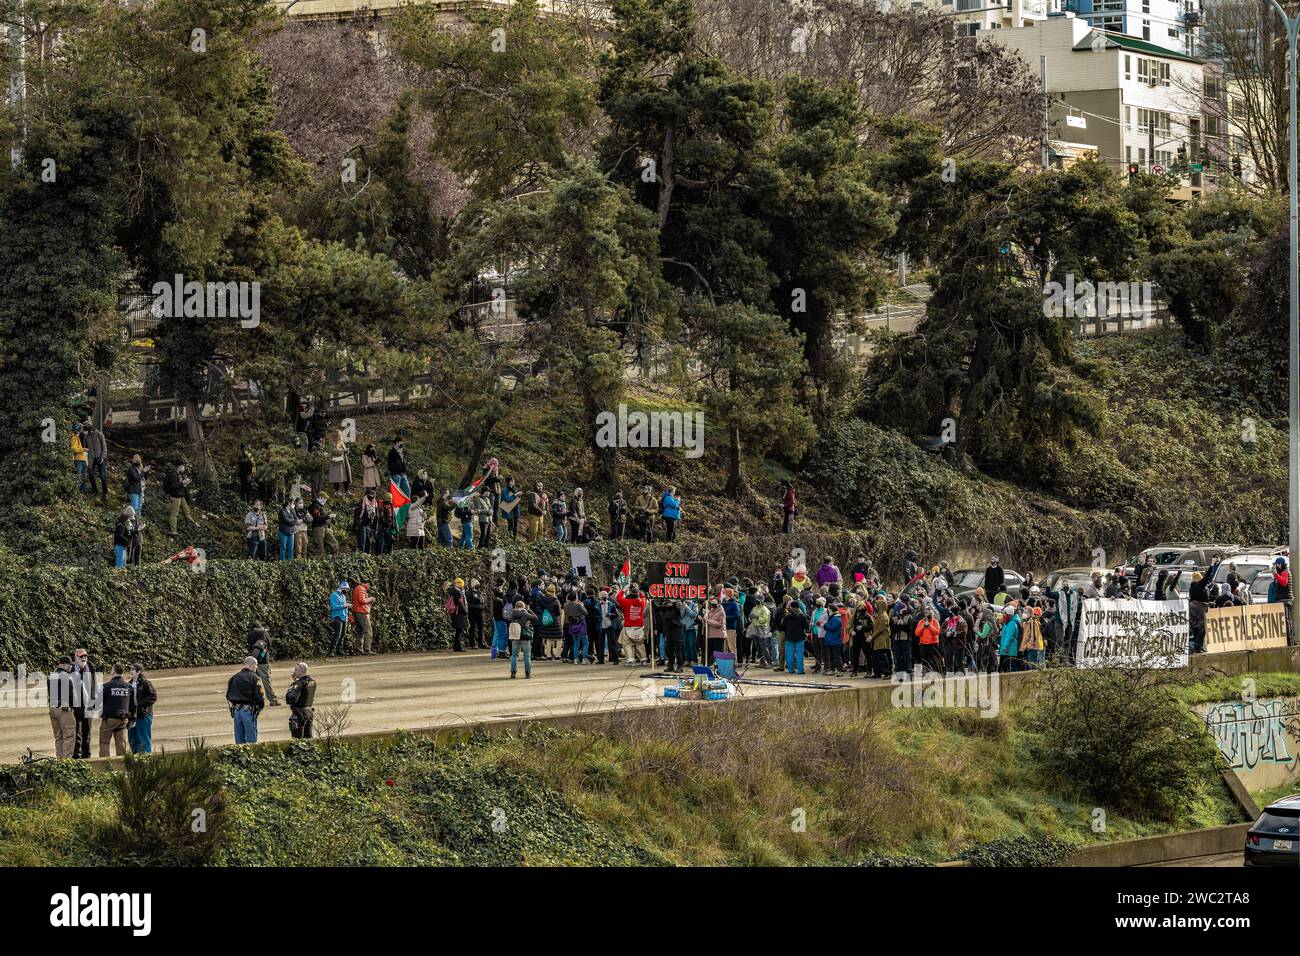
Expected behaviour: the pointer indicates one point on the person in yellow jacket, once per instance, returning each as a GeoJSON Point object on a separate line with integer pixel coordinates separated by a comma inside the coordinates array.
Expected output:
{"type": "Point", "coordinates": [1031, 640]}
{"type": "Point", "coordinates": [79, 458]}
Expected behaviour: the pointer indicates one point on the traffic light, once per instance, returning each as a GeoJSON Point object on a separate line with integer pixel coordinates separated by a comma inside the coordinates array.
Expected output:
{"type": "Point", "coordinates": [1236, 165]}
{"type": "Point", "coordinates": [1132, 170]}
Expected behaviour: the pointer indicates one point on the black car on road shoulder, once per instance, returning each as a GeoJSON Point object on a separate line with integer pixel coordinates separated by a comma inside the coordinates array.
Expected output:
{"type": "Point", "coordinates": [1274, 839]}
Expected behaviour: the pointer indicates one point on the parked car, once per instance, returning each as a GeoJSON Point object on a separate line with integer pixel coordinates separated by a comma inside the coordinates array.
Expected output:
{"type": "Point", "coordinates": [1248, 565]}
{"type": "Point", "coordinates": [965, 581]}
{"type": "Point", "coordinates": [1078, 577]}
{"type": "Point", "coordinates": [1172, 554]}
{"type": "Point", "coordinates": [1274, 839]}
{"type": "Point", "coordinates": [1184, 582]}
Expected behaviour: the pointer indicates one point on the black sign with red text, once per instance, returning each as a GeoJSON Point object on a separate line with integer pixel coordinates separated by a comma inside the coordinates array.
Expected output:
{"type": "Point", "coordinates": [681, 580]}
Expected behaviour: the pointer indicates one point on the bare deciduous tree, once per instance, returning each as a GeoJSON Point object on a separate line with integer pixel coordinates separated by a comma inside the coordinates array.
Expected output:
{"type": "Point", "coordinates": [984, 99]}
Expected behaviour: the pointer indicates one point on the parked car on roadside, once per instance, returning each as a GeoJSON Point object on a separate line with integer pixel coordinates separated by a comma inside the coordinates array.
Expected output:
{"type": "Point", "coordinates": [1078, 577]}
{"type": "Point", "coordinates": [1274, 839]}
{"type": "Point", "coordinates": [1171, 554]}
{"type": "Point", "coordinates": [965, 581]}
{"type": "Point", "coordinates": [1248, 565]}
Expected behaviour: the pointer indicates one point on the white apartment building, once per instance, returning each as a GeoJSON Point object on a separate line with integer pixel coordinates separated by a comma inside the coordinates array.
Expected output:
{"type": "Point", "coordinates": [1166, 23]}
{"type": "Point", "coordinates": [1134, 101]}
{"type": "Point", "coordinates": [974, 17]}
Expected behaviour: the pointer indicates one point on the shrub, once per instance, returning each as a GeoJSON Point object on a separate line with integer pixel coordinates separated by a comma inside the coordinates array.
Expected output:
{"type": "Point", "coordinates": [1018, 851]}
{"type": "Point", "coordinates": [1122, 737]}
{"type": "Point", "coordinates": [171, 808]}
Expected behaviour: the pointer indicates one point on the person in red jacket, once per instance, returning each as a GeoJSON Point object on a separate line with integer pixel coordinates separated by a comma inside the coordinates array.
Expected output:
{"type": "Point", "coordinates": [632, 638]}
{"type": "Point", "coordinates": [927, 632]}
{"type": "Point", "coordinates": [787, 507]}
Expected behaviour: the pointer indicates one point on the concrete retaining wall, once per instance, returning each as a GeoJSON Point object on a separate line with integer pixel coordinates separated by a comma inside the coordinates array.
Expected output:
{"type": "Point", "coordinates": [1163, 849]}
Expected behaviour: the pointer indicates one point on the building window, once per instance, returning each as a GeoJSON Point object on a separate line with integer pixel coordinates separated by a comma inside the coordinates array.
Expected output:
{"type": "Point", "coordinates": [967, 29]}
{"type": "Point", "coordinates": [1128, 67]}
{"type": "Point", "coordinates": [1146, 30]}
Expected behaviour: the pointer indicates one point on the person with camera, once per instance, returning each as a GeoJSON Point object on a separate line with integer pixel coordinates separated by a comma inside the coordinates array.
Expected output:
{"type": "Point", "coordinates": [301, 696]}
{"type": "Point", "coordinates": [176, 486]}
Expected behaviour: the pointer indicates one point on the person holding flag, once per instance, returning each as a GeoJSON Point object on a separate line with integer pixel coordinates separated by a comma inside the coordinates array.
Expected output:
{"type": "Point", "coordinates": [400, 502]}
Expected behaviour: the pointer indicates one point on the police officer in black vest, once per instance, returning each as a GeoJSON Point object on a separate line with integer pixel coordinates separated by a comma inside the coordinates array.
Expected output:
{"type": "Point", "coordinates": [300, 696]}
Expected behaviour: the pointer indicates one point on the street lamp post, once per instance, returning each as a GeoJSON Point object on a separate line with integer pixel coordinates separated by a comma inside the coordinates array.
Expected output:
{"type": "Point", "coordinates": [1293, 475]}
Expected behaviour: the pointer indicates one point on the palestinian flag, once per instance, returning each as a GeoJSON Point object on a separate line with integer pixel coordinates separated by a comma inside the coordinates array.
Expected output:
{"type": "Point", "coordinates": [401, 503]}
{"type": "Point", "coordinates": [458, 496]}
{"type": "Point", "coordinates": [624, 577]}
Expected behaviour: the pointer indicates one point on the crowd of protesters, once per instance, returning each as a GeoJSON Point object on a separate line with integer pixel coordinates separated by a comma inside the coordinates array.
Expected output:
{"type": "Point", "coordinates": [307, 518]}
{"type": "Point", "coordinates": [824, 622]}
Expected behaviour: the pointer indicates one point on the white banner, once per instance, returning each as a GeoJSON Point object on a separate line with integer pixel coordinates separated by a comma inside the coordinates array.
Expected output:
{"type": "Point", "coordinates": [1126, 632]}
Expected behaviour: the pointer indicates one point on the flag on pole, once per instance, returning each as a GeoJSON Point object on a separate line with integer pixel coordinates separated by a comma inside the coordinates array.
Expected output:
{"type": "Point", "coordinates": [460, 495]}
{"type": "Point", "coordinates": [624, 575]}
{"type": "Point", "coordinates": [401, 503]}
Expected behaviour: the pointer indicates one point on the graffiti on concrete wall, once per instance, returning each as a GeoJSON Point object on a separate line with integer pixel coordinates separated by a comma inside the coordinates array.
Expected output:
{"type": "Point", "coordinates": [1252, 734]}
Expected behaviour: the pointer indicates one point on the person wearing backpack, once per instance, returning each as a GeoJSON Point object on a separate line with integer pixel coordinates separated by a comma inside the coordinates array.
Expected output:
{"type": "Point", "coordinates": [550, 623]}
{"type": "Point", "coordinates": [457, 608]}
{"type": "Point", "coordinates": [521, 638]}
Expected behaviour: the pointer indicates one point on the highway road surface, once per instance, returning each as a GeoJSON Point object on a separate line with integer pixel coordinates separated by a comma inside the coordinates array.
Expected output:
{"type": "Point", "coordinates": [385, 692]}
{"type": "Point", "coordinates": [1233, 859]}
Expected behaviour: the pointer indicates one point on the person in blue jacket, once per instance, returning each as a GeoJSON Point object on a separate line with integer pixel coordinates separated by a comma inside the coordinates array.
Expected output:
{"type": "Point", "coordinates": [690, 613]}
{"type": "Point", "coordinates": [670, 509]}
{"type": "Point", "coordinates": [833, 639]}
{"type": "Point", "coordinates": [731, 608]}
{"type": "Point", "coordinates": [1009, 643]}
{"type": "Point", "coordinates": [339, 608]}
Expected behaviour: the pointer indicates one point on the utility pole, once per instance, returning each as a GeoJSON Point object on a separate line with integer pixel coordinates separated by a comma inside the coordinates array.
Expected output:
{"type": "Point", "coordinates": [1042, 81]}
{"type": "Point", "coordinates": [1293, 476]}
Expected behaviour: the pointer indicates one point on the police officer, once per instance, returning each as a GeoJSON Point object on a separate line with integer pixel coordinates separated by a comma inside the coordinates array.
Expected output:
{"type": "Point", "coordinates": [117, 712]}
{"type": "Point", "coordinates": [259, 647]}
{"type": "Point", "coordinates": [244, 694]}
{"type": "Point", "coordinates": [301, 695]}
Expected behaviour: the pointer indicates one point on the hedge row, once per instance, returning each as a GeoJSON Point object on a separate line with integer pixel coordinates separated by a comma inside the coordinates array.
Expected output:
{"type": "Point", "coordinates": [164, 616]}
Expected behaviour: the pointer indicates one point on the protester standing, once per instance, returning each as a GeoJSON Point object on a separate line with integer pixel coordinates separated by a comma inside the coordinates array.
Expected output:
{"type": "Point", "coordinates": [521, 638]}
{"type": "Point", "coordinates": [340, 606]}
{"type": "Point", "coordinates": [140, 733]}
{"type": "Point", "coordinates": [98, 451]}
{"type": "Point", "coordinates": [361, 604]}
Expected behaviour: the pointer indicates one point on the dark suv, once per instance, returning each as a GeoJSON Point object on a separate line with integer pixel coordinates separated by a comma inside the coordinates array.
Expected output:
{"type": "Point", "coordinates": [1274, 839]}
